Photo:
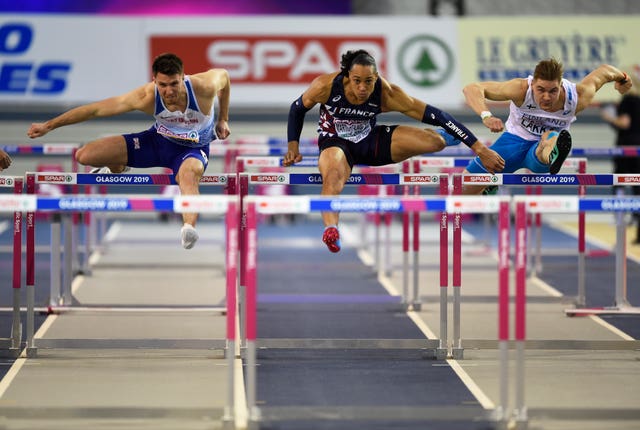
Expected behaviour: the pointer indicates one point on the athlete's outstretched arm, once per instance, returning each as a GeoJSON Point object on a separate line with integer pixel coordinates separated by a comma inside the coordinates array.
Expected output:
{"type": "Point", "coordinates": [395, 99]}
{"type": "Point", "coordinates": [137, 99]}
{"type": "Point", "coordinates": [590, 84]}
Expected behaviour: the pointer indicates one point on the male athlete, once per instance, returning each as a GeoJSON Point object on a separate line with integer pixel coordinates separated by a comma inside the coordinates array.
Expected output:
{"type": "Point", "coordinates": [183, 107]}
{"type": "Point", "coordinates": [542, 108]}
{"type": "Point", "coordinates": [350, 100]}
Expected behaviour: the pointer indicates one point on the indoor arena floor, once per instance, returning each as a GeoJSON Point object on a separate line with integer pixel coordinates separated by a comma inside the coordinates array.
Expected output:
{"type": "Point", "coordinates": [351, 360]}
{"type": "Point", "coordinates": [578, 372]}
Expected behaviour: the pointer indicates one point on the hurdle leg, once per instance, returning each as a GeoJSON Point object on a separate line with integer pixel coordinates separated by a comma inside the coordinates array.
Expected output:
{"type": "Point", "coordinates": [16, 326]}
{"type": "Point", "coordinates": [621, 262]}
{"type": "Point", "coordinates": [251, 314]}
{"type": "Point", "coordinates": [405, 259]}
{"type": "Point", "coordinates": [520, 410]}
{"type": "Point", "coordinates": [501, 411]}
{"type": "Point", "coordinates": [55, 259]}
{"type": "Point", "coordinates": [457, 350]}
{"type": "Point", "coordinates": [67, 272]}
{"type": "Point", "coordinates": [416, 303]}
{"type": "Point", "coordinates": [30, 275]}
{"type": "Point", "coordinates": [231, 219]}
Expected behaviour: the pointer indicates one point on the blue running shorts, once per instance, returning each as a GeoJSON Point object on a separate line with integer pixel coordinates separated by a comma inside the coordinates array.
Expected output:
{"type": "Point", "coordinates": [150, 149]}
{"type": "Point", "coordinates": [518, 153]}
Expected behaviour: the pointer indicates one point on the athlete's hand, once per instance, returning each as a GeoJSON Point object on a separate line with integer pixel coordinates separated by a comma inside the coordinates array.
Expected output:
{"type": "Point", "coordinates": [5, 160]}
{"type": "Point", "coordinates": [222, 129]}
{"type": "Point", "coordinates": [491, 160]}
{"type": "Point", "coordinates": [37, 129]}
{"type": "Point", "coordinates": [493, 123]}
{"type": "Point", "coordinates": [293, 154]}
{"type": "Point", "coordinates": [623, 87]}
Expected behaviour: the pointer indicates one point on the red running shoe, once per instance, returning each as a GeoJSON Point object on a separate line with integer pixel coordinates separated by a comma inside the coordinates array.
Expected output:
{"type": "Point", "coordinates": [331, 237]}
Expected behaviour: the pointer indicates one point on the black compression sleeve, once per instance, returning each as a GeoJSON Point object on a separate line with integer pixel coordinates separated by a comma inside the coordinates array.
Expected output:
{"type": "Point", "coordinates": [434, 116]}
{"type": "Point", "coordinates": [296, 120]}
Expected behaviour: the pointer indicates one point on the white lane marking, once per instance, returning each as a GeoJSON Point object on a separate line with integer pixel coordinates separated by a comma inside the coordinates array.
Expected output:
{"type": "Point", "coordinates": [48, 322]}
{"type": "Point", "coordinates": [475, 390]}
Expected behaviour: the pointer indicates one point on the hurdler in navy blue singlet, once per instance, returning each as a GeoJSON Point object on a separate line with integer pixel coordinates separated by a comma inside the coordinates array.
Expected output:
{"type": "Point", "coordinates": [353, 127]}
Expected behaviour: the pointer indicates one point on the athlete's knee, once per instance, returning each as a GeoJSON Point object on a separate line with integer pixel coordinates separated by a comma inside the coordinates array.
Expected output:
{"type": "Point", "coordinates": [333, 181]}
{"type": "Point", "coordinates": [83, 155]}
{"type": "Point", "coordinates": [436, 140]}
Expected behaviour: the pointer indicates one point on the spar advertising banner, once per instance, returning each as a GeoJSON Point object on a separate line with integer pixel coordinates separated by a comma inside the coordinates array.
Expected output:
{"type": "Point", "coordinates": [271, 60]}
{"type": "Point", "coordinates": [500, 49]}
{"type": "Point", "coordinates": [72, 59]}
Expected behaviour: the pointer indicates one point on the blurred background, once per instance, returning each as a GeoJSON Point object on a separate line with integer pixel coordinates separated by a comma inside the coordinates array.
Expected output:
{"type": "Point", "coordinates": [56, 54]}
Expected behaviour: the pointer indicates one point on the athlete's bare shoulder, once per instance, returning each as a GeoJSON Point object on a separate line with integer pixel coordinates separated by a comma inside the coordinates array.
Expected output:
{"type": "Point", "coordinates": [320, 88]}
{"type": "Point", "coordinates": [209, 82]}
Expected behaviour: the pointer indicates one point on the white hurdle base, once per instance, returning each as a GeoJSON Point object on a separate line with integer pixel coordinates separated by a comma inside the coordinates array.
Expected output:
{"type": "Point", "coordinates": [613, 310]}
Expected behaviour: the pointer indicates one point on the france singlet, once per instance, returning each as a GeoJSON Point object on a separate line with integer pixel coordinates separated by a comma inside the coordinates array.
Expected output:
{"type": "Point", "coordinates": [339, 118]}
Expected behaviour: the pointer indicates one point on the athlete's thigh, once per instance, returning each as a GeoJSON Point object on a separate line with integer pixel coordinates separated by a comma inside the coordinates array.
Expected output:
{"type": "Point", "coordinates": [110, 150]}
{"type": "Point", "coordinates": [407, 141]}
{"type": "Point", "coordinates": [512, 149]}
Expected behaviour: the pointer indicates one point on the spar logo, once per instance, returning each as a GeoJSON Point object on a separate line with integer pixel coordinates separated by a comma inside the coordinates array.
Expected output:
{"type": "Point", "coordinates": [481, 179]}
{"type": "Point", "coordinates": [425, 61]}
{"type": "Point", "coordinates": [267, 58]}
{"type": "Point", "coordinates": [431, 179]}
{"type": "Point", "coordinates": [275, 179]}
{"type": "Point", "coordinates": [629, 179]}
{"type": "Point", "coordinates": [214, 179]}
{"type": "Point", "coordinates": [54, 178]}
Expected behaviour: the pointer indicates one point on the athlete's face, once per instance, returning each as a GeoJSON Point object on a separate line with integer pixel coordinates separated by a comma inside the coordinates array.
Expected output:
{"type": "Point", "coordinates": [546, 94]}
{"type": "Point", "coordinates": [361, 81]}
{"type": "Point", "coordinates": [170, 87]}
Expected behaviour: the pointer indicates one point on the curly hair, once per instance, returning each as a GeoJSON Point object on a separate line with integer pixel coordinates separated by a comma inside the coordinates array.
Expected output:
{"type": "Point", "coordinates": [361, 57]}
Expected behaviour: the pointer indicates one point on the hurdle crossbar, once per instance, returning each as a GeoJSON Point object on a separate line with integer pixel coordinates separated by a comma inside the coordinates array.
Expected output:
{"type": "Point", "coordinates": [61, 297]}
{"type": "Point", "coordinates": [305, 204]}
{"type": "Point", "coordinates": [581, 180]}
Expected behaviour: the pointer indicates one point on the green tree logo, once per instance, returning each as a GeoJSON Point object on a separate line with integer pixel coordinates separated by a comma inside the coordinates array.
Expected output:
{"type": "Point", "coordinates": [425, 61]}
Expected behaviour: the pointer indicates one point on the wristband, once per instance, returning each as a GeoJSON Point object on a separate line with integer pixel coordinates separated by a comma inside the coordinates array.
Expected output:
{"type": "Point", "coordinates": [485, 114]}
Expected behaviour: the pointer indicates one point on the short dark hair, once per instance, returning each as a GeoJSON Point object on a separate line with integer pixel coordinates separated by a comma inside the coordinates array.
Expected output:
{"type": "Point", "coordinates": [167, 64]}
{"type": "Point", "coordinates": [360, 57]}
{"type": "Point", "coordinates": [549, 70]}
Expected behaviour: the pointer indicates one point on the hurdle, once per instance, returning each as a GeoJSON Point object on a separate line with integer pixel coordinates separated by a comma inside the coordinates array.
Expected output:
{"type": "Point", "coordinates": [523, 206]}
{"type": "Point", "coordinates": [61, 298]}
{"type": "Point", "coordinates": [61, 149]}
{"type": "Point", "coordinates": [580, 180]}
{"type": "Point", "coordinates": [11, 345]}
{"type": "Point", "coordinates": [306, 204]}
{"type": "Point", "coordinates": [212, 204]}
{"type": "Point", "coordinates": [421, 180]}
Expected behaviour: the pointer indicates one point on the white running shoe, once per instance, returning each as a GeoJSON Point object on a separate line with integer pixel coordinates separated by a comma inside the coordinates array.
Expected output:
{"type": "Point", "coordinates": [105, 169]}
{"type": "Point", "coordinates": [189, 236]}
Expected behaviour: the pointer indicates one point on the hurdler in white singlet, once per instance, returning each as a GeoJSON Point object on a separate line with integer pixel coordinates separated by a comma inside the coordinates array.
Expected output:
{"type": "Point", "coordinates": [529, 121]}
{"type": "Point", "coordinates": [191, 128]}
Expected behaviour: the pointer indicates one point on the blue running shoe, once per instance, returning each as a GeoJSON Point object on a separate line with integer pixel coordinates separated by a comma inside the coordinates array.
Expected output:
{"type": "Point", "coordinates": [448, 139]}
